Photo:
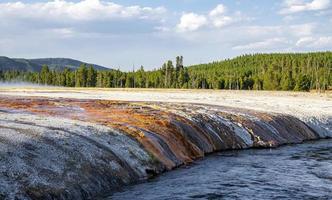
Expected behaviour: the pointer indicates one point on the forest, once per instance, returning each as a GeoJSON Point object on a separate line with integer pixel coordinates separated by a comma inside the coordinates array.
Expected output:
{"type": "Point", "coordinates": [276, 71]}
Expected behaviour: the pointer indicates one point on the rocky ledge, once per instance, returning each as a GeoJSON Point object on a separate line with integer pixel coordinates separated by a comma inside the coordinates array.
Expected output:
{"type": "Point", "coordinates": [80, 149]}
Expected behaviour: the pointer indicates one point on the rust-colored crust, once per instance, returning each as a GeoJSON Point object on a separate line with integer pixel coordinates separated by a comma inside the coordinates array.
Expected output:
{"type": "Point", "coordinates": [173, 133]}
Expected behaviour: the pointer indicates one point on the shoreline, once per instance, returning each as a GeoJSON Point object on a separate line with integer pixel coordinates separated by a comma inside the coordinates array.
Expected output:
{"type": "Point", "coordinates": [124, 188]}
{"type": "Point", "coordinates": [114, 143]}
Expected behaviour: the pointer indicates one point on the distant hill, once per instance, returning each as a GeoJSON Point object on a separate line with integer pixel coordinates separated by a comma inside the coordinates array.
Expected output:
{"type": "Point", "coordinates": [35, 65]}
{"type": "Point", "coordinates": [7, 64]}
{"type": "Point", "coordinates": [61, 63]}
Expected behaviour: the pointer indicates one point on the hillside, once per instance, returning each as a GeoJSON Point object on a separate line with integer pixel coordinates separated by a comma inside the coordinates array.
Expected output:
{"type": "Point", "coordinates": [61, 63]}
{"type": "Point", "coordinates": [8, 64]}
{"type": "Point", "coordinates": [274, 71]}
{"type": "Point", "coordinates": [35, 65]}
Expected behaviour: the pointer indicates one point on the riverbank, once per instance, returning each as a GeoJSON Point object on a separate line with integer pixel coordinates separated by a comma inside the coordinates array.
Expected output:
{"type": "Point", "coordinates": [88, 142]}
{"type": "Point", "coordinates": [301, 171]}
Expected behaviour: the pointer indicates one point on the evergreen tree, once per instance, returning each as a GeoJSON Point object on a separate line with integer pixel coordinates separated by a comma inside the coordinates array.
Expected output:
{"type": "Point", "coordinates": [44, 75]}
{"type": "Point", "coordinates": [302, 83]}
{"type": "Point", "coordinates": [287, 83]}
{"type": "Point", "coordinates": [91, 77]}
{"type": "Point", "coordinates": [81, 76]}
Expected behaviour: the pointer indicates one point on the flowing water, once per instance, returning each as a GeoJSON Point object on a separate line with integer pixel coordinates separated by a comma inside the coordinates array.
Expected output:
{"type": "Point", "coordinates": [301, 171]}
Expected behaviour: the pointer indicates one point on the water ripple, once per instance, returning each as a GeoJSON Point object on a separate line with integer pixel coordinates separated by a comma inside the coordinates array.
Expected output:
{"type": "Point", "coordinates": [291, 172]}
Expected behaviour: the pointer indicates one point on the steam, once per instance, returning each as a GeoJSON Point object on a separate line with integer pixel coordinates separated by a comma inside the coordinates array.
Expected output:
{"type": "Point", "coordinates": [20, 84]}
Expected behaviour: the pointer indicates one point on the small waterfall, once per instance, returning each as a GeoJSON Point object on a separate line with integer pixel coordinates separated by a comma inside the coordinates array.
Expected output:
{"type": "Point", "coordinates": [49, 153]}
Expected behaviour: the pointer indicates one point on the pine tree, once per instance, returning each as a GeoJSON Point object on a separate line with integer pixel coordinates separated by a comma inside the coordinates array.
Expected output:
{"type": "Point", "coordinates": [302, 83]}
{"type": "Point", "coordinates": [81, 76]}
{"type": "Point", "coordinates": [91, 78]}
{"type": "Point", "coordinates": [45, 75]}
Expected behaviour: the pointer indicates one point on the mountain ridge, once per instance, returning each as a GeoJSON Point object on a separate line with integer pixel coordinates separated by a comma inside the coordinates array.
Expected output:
{"type": "Point", "coordinates": [35, 65]}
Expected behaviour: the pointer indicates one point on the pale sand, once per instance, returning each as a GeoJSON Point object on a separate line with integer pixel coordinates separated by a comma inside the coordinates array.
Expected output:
{"type": "Point", "coordinates": [294, 103]}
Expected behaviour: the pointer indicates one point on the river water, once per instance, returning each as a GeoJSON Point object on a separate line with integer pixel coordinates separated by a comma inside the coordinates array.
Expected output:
{"type": "Point", "coordinates": [301, 171]}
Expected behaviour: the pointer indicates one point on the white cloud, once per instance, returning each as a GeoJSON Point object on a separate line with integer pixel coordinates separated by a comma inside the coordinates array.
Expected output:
{"type": "Point", "coordinates": [302, 29]}
{"type": "Point", "coordinates": [295, 6]}
{"type": "Point", "coordinates": [262, 45]}
{"type": "Point", "coordinates": [219, 18]}
{"type": "Point", "coordinates": [86, 10]}
{"type": "Point", "coordinates": [277, 37]}
{"type": "Point", "coordinates": [191, 22]}
{"type": "Point", "coordinates": [295, 30]}
{"type": "Point", "coordinates": [68, 19]}
{"type": "Point", "coordinates": [315, 42]}
{"type": "Point", "coordinates": [304, 41]}
{"type": "Point", "coordinates": [222, 21]}
{"type": "Point", "coordinates": [216, 18]}
{"type": "Point", "coordinates": [217, 11]}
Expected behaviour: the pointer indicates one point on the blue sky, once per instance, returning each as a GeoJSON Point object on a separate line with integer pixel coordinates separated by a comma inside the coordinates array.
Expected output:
{"type": "Point", "coordinates": [123, 33]}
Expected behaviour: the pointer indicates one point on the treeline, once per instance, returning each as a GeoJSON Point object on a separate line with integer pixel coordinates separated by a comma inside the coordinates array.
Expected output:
{"type": "Point", "coordinates": [168, 76]}
{"type": "Point", "coordinates": [300, 71]}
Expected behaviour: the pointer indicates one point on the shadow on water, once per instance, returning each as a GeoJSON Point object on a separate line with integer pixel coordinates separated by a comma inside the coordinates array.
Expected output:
{"type": "Point", "coordinates": [291, 172]}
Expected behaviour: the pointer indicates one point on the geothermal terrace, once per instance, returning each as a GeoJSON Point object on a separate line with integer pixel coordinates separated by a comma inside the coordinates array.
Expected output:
{"type": "Point", "coordinates": [82, 143]}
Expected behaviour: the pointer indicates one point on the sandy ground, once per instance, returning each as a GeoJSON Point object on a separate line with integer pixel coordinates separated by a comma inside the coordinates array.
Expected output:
{"type": "Point", "coordinates": [294, 103]}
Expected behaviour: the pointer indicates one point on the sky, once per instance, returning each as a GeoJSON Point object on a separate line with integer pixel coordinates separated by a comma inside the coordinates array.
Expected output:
{"type": "Point", "coordinates": [125, 34]}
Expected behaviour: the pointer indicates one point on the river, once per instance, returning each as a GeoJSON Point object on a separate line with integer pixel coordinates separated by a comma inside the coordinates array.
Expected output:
{"type": "Point", "coordinates": [301, 171]}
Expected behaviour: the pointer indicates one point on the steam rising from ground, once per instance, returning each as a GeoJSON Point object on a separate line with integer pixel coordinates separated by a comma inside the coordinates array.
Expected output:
{"type": "Point", "coordinates": [20, 84]}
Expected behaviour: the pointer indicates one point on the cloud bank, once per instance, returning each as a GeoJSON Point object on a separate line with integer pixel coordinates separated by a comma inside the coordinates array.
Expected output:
{"type": "Point", "coordinates": [127, 34]}
{"type": "Point", "coordinates": [296, 6]}
{"type": "Point", "coordinates": [86, 10]}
